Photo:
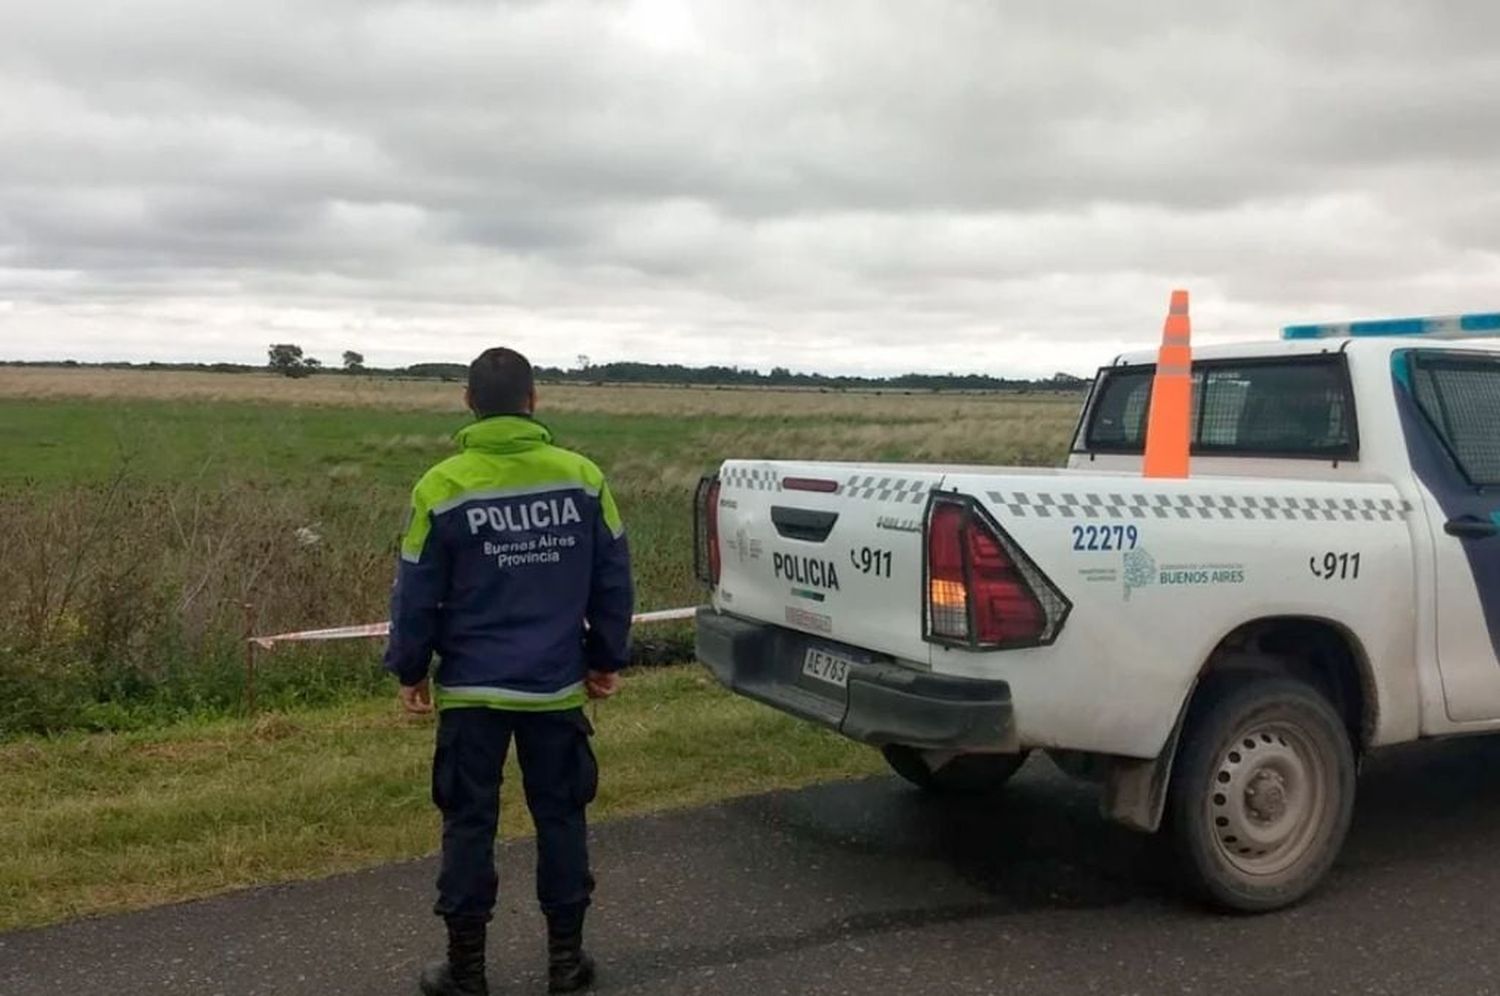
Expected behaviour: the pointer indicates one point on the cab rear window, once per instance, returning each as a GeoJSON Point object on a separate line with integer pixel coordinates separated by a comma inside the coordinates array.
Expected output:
{"type": "Point", "coordinates": [1292, 407]}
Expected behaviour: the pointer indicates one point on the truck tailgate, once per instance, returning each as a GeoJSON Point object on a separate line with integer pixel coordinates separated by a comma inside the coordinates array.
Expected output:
{"type": "Point", "coordinates": [832, 550]}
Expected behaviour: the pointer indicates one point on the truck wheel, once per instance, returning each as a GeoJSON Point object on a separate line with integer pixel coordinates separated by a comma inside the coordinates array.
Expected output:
{"type": "Point", "coordinates": [1262, 794]}
{"type": "Point", "coordinates": [966, 774]}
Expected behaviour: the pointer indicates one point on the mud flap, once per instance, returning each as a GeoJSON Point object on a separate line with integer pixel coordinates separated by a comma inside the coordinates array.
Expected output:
{"type": "Point", "coordinates": [1135, 791]}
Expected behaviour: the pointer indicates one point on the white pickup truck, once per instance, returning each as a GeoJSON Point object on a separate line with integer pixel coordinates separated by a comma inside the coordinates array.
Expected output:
{"type": "Point", "coordinates": [1217, 651]}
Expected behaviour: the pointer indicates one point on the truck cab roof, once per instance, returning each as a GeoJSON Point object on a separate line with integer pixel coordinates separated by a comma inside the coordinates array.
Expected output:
{"type": "Point", "coordinates": [1382, 346]}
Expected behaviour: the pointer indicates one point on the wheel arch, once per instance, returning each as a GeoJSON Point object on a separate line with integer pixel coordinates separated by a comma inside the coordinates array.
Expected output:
{"type": "Point", "coordinates": [1323, 652]}
{"type": "Point", "coordinates": [1313, 649]}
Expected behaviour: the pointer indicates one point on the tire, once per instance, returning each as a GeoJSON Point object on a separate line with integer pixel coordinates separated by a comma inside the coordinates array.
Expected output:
{"type": "Point", "coordinates": [1262, 794]}
{"type": "Point", "coordinates": [966, 774]}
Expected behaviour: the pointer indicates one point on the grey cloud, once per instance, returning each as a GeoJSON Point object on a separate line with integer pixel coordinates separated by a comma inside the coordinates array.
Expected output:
{"type": "Point", "coordinates": [742, 181]}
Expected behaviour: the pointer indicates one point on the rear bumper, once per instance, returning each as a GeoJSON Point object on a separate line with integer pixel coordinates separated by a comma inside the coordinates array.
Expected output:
{"type": "Point", "coordinates": [884, 703]}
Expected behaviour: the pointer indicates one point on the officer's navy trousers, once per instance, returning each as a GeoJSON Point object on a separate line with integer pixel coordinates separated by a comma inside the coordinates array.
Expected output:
{"type": "Point", "coordinates": [559, 775]}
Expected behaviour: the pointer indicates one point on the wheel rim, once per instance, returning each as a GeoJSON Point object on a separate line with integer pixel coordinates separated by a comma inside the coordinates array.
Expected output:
{"type": "Point", "coordinates": [1267, 798]}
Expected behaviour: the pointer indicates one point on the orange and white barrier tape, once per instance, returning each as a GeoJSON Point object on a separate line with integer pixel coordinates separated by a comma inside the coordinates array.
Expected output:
{"type": "Point", "coordinates": [382, 629]}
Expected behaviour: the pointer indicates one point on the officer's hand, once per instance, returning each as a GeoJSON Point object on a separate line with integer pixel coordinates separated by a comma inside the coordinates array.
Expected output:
{"type": "Point", "coordinates": [601, 684]}
{"type": "Point", "coordinates": [417, 698]}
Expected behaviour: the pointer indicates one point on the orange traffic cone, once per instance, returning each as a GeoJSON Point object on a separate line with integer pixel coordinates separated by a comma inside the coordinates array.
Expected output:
{"type": "Point", "coordinates": [1169, 422]}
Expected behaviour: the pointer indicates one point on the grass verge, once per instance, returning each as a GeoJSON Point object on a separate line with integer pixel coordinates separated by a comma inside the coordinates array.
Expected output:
{"type": "Point", "coordinates": [104, 823]}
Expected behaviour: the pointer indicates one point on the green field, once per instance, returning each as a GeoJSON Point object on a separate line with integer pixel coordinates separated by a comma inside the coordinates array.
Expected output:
{"type": "Point", "coordinates": [144, 512]}
{"type": "Point", "coordinates": [144, 517]}
{"type": "Point", "coordinates": [145, 527]}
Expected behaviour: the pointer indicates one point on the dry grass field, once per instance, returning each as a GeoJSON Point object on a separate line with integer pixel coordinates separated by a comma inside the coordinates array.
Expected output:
{"type": "Point", "coordinates": [709, 424]}
{"type": "Point", "coordinates": [438, 396]}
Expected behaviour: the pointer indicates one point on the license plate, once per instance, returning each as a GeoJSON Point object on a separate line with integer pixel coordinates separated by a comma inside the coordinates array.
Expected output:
{"type": "Point", "coordinates": [824, 666]}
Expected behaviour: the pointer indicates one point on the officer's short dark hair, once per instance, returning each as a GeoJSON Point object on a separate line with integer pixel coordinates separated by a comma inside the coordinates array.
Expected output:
{"type": "Point", "coordinates": [500, 383]}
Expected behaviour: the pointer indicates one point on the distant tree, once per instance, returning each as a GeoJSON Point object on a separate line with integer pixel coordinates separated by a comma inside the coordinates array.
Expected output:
{"type": "Point", "coordinates": [286, 359]}
{"type": "Point", "coordinates": [675, 374]}
{"type": "Point", "coordinates": [312, 365]}
{"type": "Point", "coordinates": [353, 362]}
{"type": "Point", "coordinates": [442, 371]}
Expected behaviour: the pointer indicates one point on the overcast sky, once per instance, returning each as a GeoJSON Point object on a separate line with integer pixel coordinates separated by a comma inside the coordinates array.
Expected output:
{"type": "Point", "coordinates": [972, 185]}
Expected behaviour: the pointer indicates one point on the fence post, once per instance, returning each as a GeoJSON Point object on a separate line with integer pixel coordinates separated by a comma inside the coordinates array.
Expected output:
{"type": "Point", "coordinates": [250, 658]}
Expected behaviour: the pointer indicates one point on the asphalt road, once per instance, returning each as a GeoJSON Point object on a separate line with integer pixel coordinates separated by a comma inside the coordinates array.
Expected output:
{"type": "Point", "coordinates": [868, 888]}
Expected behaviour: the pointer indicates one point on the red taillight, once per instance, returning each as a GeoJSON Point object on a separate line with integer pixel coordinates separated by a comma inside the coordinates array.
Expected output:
{"type": "Point", "coordinates": [706, 556]}
{"type": "Point", "coordinates": [711, 533]}
{"type": "Point", "coordinates": [1005, 608]}
{"type": "Point", "coordinates": [947, 587]}
{"type": "Point", "coordinates": [978, 591]}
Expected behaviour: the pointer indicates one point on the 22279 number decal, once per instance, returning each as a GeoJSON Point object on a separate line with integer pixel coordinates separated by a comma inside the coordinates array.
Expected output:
{"type": "Point", "coordinates": [1105, 538]}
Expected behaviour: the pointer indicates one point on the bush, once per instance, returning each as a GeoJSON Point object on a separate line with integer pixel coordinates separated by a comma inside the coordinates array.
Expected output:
{"type": "Point", "coordinates": [123, 602]}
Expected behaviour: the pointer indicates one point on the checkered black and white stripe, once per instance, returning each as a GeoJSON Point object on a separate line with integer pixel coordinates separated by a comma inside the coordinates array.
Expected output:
{"type": "Point", "coordinates": [874, 487]}
{"type": "Point", "coordinates": [1114, 505]}
{"type": "Point", "coordinates": [749, 479]}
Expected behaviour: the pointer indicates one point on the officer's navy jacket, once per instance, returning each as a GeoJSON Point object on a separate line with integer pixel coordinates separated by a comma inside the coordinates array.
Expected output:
{"type": "Point", "coordinates": [514, 571]}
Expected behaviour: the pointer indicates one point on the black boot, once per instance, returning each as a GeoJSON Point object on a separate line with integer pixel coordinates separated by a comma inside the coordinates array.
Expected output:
{"type": "Point", "coordinates": [463, 973]}
{"type": "Point", "coordinates": [569, 968]}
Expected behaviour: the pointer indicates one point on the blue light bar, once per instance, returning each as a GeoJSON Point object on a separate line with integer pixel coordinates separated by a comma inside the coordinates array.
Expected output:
{"type": "Point", "coordinates": [1445, 327]}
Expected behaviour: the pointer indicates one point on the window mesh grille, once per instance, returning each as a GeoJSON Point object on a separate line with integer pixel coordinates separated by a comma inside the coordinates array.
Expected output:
{"type": "Point", "coordinates": [1297, 407]}
{"type": "Point", "coordinates": [1461, 398]}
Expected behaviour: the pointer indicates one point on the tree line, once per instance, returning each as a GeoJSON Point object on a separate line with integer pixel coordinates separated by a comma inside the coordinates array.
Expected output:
{"type": "Point", "coordinates": [290, 360]}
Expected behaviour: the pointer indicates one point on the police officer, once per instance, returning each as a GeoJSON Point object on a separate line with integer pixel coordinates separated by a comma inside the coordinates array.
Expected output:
{"type": "Point", "coordinates": [515, 572]}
